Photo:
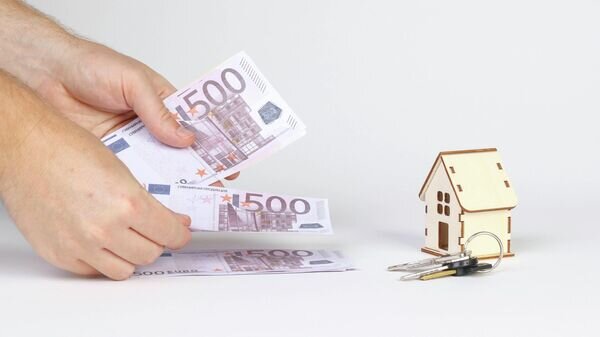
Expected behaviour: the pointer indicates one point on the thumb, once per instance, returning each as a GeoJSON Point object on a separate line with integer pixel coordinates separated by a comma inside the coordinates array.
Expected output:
{"type": "Point", "coordinates": [145, 99]}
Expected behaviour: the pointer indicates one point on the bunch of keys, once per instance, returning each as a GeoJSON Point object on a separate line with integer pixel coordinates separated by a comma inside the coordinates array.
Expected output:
{"type": "Point", "coordinates": [459, 264]}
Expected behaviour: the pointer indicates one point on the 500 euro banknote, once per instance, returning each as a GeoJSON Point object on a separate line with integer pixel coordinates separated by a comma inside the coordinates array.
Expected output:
{"type": "Point", "coordinates": [228, 210]}
{"type": "Point", "coordinates": [244, 261]}
{"type": "Point", "coordinates": [237, 118]}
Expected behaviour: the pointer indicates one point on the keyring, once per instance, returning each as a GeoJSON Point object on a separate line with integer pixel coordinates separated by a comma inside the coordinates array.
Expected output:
{"type": "Point", "coordinates": [497, 263]}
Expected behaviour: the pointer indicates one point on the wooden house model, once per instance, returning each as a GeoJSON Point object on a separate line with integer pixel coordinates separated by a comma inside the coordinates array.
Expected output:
{"type": "Point", "coordinates": [464, 193]}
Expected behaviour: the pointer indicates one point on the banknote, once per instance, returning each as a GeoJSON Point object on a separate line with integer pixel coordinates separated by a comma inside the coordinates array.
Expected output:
{"type": "Point", "coordinates": [237, 117]}
{"type": "Point", "coordinates": [228, 210]}
{"type": "Point", "coordinates": [242, 261]}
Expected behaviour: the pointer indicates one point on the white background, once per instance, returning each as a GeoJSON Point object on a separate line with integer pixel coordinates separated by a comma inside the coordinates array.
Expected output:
{"type": "Point", "coordinates": [382, 86]}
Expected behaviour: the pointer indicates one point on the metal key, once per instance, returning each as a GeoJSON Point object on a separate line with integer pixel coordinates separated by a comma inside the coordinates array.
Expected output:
{"type": "Point", "coordinates": [429, 263]}
{"type": "Point", "coordinates": [459, 271]}
{"type": "Point", "coordinates": [458, 262]}
{"type": "Point", "coordinates": [439, 274]}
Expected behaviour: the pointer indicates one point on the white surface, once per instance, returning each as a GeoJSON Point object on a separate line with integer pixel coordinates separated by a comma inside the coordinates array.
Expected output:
{"type": "Point", "coordinates": [382, 86]}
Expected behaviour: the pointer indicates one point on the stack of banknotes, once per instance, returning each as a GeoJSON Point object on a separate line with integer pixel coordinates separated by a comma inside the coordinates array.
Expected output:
{"type": "Point", "coordinates": [245, 261]}
{"type": "Point", "coordinates": [238, 119]}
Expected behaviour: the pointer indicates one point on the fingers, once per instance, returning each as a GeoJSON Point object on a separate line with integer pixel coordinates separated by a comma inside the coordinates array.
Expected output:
{"type": "Point", "coordinates": [110, 265]}
{"type": "Point", "coordinates": [133, 247]}
{"type": "Point", "coordinates": [144, 96]}
{"type": "Point", "coordinates": [165, 227]}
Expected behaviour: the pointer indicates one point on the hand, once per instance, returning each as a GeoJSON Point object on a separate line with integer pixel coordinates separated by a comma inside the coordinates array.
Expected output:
{"type": "Point", "coordinates": [73, 200]}
{"type": "Point", "coordinates": [80, 208]}
{"type": "Point", "coordinates": [100, 89]}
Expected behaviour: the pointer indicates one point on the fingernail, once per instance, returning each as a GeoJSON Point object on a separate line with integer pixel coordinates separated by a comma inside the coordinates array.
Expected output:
{"type": "Point", "coordinates": [182, 132]}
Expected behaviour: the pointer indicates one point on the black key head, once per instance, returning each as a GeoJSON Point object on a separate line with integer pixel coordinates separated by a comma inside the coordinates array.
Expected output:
{"type": "Point", "coordinates": [466, 270]}
{"type": "Point", "coordinates": [466, 263]}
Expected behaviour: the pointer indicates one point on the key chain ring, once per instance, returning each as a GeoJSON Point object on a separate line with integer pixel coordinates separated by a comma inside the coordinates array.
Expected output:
{"type": "Point", "coordinates": [495, 237]}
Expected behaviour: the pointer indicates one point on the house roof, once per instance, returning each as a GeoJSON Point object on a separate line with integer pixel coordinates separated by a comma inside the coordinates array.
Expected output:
{"type": "Point", "coordinates": [478, 179]}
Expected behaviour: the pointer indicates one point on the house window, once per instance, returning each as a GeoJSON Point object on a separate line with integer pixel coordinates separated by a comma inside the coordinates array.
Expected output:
{"type": "Point", "coordinates": [443, 206]}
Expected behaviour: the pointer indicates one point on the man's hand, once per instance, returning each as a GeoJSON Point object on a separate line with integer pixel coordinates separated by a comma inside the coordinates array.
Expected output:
{"type": "Point", "coordinates": [75, 202]}
{"type": "Point", "coordinates": [92, 85]}
{"type": "Point", "coordinates": [100, 89]}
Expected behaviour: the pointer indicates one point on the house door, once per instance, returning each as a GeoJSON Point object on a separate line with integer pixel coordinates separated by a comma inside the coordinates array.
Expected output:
{"type": "Point", "coordinates": [443, 235]}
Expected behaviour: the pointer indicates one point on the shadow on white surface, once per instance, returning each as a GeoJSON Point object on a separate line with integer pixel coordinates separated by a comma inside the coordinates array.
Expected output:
{"type": "Point", "coordinates": [22, 262]}
{"type": "Point", "coordinates": [529, 242]}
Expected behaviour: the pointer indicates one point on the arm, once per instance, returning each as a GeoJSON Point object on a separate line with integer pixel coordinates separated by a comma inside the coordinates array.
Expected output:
{"type": "Point", "coordinates": [15, 131]}
{"type": "Point", "coordinates": [32, 45]}
{"type": "Point", "coordinates": [94, 86]}
{"type": "Point", "coordinates": [90, 84]}
{"type": "Point", "coordinates": [75, 203]}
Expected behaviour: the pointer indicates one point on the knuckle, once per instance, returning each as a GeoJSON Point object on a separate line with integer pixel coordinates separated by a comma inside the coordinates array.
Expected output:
{"type": "Point", "coordinates": [96, 234]}
{"type": "Point", "coordinates": [129, 207]}
{"type": "Point", "coordinates": [66, 244]}
{"type": "Point", "coordinates": [165, 115]}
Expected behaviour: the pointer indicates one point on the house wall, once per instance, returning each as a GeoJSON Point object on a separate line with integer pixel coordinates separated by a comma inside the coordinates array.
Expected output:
{"type": "Point", "coordinates": [440, 182]}
{"type": "Point", "coordinates": [492, 221]}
